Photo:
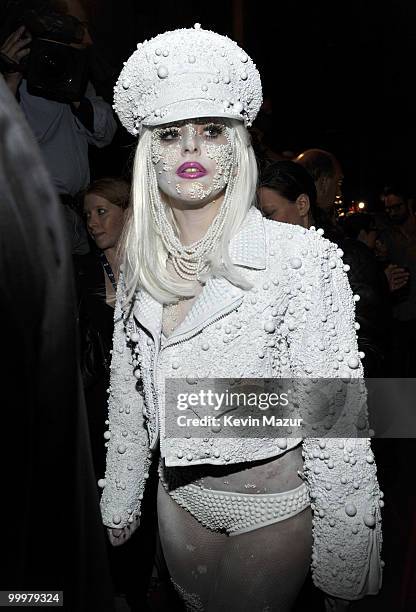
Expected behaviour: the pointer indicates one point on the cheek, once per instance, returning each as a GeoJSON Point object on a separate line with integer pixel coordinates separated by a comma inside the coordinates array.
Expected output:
{"type": "Point", "coordinates": [285, 215]}
{"type": "Point", "coordinates": [115, 224]}
{"type": "Point", "coordinates": [165, 156]}
{"type": "Point", "coordinates": [222, 157]}
{"type": "Point", "coordinates": [277, 216]}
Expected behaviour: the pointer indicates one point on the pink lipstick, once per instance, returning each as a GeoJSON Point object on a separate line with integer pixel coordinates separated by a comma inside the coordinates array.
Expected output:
{"type": "Point", "coordinates": [191, 170]}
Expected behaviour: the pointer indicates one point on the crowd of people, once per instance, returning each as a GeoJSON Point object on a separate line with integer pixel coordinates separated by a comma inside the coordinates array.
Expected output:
{"type": "Point", "coordinates": [182, 268]}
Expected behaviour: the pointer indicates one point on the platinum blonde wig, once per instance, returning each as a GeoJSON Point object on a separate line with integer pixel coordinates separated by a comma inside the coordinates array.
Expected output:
{"type": "Point", "coordinates": [144, 255]}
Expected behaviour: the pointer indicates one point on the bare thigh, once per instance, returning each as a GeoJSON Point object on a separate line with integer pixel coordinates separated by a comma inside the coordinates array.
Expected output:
{"type": "Point", "coordinates": [259, 571]}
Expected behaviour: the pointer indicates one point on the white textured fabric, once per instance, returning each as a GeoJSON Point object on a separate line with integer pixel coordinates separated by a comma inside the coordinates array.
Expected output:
{"type": "Point", "coordinates": [184, 74]}
{"type": "Point", "coordinates": [296, 321]}
{"type": "Point", "coordinates": [230, 512]}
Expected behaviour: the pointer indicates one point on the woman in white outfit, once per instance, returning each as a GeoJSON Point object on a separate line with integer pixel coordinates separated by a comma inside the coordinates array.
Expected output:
{"type": "Point", "coordinates": [210, 289]}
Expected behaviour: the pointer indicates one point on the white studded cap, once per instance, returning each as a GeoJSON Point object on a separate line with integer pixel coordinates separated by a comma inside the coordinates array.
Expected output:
{"type": "Point", "coordinates": [185, 74]}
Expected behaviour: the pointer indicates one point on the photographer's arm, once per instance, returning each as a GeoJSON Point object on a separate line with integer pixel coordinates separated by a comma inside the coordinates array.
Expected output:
{"type": "Point", "coordinates": [96, 117]}
{"type": "Point", "coordinates": [13, 50]}
{"type": "Point", "coordinates": [84, 111]}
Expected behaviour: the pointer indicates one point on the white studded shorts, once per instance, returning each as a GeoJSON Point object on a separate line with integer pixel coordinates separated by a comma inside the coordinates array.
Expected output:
{"type": "Point", "coordinates": [236, 513]}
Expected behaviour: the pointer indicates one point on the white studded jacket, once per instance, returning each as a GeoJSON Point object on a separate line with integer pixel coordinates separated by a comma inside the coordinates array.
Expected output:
{"type": "Point", "coordinates": [296, 321]}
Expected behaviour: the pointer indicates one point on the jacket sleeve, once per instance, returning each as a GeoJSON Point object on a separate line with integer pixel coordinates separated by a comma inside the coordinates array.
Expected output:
{"type": "Point", "coordinates": [104, 123]}
{"type": "Point", "coordinates": [340, 471]}
{"type": "Point", "coordinates": [128, 454]}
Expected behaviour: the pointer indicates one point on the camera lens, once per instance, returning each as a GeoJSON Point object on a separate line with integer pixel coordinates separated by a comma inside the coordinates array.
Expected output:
{"type": "Point", "coordinates": [57, 71]}
{"type": "Point", "coordinates": [53, 66]}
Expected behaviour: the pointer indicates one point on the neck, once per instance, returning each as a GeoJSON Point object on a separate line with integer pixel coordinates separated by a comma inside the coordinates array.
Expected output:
{"type": "Point", "coordinates": [193, 223]}
{"type": "Point", "coordinates": [409, 226]}
{"type": "Point", "coordinates": [307, 221]}
{"type": "Point", "coordinates": [113, 259]}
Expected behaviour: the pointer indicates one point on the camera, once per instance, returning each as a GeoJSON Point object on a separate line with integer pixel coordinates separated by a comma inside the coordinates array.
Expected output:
{"type": "Point", "coordinates": [56, 71]}
{"type": "Point", "coordinates": [54, 68]}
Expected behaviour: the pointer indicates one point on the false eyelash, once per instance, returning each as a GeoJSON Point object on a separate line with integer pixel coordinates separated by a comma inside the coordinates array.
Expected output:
{"type": "Point", "coordinates": [169, 133]}
{"type": "Point", "coordinates": [216, 128]}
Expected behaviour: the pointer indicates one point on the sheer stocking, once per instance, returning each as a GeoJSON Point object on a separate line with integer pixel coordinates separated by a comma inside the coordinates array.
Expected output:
{"type": "Point", "coordinates": [259, 571]}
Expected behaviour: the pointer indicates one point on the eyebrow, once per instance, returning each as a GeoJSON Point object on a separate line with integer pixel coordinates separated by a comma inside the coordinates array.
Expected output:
{"type": "Point", "coordinates": [200, 121]}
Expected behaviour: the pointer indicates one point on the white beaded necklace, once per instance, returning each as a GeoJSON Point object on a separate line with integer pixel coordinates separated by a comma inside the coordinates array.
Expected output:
{"type": "Point", "coordinates": [189, 261]}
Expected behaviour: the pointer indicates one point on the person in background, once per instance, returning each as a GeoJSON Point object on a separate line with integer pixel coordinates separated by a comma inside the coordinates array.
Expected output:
{"type": "Point", "coordinates": [327, 174]}
{"type": "Point", "coordinates": [105, 203]}
{"type": "Point", "coordinates": [288, 193]}
{"type": "Point", "coordinates": [52, 536]}
{"type": "Point", "coordinates": [105, 206]}
{"type": "Point", "coordinates": [399, 242]}
{"type": "Point", "coordinates": [363, 227]}
{"type": "Point", "coordinates": [63, 130]}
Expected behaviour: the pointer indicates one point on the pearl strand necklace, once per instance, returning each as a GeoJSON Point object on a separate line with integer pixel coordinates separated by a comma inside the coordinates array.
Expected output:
{"type": "Point", "coordinates": [189, 261]}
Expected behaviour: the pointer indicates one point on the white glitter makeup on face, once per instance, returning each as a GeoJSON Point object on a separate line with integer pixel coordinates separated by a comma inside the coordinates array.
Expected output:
{"type": "Point", "coordinates": [191, 162]}
{"type": "Point", "coordinates": [200, 151]}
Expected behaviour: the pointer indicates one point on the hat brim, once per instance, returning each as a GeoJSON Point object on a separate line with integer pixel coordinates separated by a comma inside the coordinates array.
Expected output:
{"type": "Point", "coordinates": [189, 109]}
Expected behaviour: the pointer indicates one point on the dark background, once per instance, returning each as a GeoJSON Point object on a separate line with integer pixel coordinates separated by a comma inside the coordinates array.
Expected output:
{"type": "Point", "coordinates": [339, 75]}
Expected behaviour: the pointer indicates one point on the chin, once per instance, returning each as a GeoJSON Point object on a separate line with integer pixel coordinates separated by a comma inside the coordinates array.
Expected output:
{"type": "Point", "coordinates": [102, 245]}
{"type": "Point", "coordinates": [199, 194]}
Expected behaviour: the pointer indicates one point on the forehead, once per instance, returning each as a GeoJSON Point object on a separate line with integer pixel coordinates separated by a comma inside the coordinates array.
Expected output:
{"type": "Point", "coordinates": [393, 198]}
{"type": "Point", "coordinates": [76, 9]}
{"type": "Point", "coordinates": [338, 171]}
{"type": "Point", "coordinates": [270, 198]}
{"type": "Point", "coordinates": [194, 122]}
{"type": "Point", "coordinates": [93, 200]}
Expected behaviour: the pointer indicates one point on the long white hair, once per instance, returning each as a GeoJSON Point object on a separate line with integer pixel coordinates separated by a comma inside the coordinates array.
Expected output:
{"type": "Point", "coordinates": [144, 255]}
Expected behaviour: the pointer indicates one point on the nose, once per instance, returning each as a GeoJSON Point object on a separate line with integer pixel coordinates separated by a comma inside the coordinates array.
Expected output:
{"type": "Point", "coordinates": [190, 141]}
{"type": "Point", "coordinates": [92, 223]}
{"type": "Point", "coordinates": [87, 40]}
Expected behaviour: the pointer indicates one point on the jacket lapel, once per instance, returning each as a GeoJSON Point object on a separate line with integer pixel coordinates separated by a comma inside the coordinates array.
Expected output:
{"type": "Point", "coordinates": [219, 296]}
{"type": "Point", "coordinates": [148, 312]}
{"type": "Point", "coordinates": [248, 247]}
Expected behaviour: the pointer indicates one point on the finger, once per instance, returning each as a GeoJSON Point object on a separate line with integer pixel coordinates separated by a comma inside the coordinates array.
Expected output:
{"type": "Point", "coordinates": [21, 54]}
{"type": "Point", "coordinates": [12, 51]}
{"type": "Point", "coordinates": [399, 285]}
{"type": "Point", "coordinates": [14, 36]}
{"type": "Point", "coordinates": [400, 276]}
{"type": "Point", "coordinates": [116, 536]}
{"type": "Point", "coordinates": [18, 45]}
{"type": "Point", "coordinates": [398, 270]}
{"type": "Point", "coordinates": [20, 31]}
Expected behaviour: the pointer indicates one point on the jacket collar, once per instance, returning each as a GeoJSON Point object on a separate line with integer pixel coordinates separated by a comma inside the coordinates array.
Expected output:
{"type": "Point", "coordinates": [248, 247]}
{"type": "Point", "coordinates": [219, 296]}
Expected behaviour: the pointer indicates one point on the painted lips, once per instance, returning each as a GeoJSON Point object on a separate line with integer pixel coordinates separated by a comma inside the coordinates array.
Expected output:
{"type": "Point", "coordinates": [191, 170]}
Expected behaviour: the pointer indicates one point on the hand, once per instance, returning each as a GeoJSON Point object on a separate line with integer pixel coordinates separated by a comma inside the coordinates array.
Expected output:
{"type": "Point", "coordinates": [334, 604]}
{"type": "Point", "coordinates": [380, 251]}
{"type": "Point", "coordinates": [118, 537]}
{"type": "Point", "coordinates": [396, 277]}
{"type": "Point", "coordinates": [15, 49]}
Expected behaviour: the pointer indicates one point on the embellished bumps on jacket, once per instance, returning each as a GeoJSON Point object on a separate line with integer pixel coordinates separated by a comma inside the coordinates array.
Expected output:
{"type": "Point", "coordinates": [297, 321]}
